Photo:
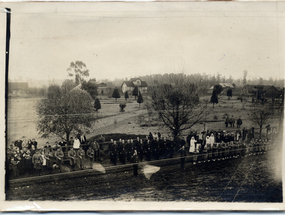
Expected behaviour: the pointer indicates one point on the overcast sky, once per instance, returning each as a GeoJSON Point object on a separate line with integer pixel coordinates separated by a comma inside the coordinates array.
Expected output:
{"type": "Point", "coordinates": [130, 39]}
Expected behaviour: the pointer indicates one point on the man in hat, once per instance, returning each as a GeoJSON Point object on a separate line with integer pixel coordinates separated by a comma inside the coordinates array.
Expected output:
{"type": "Point", "coordinates": [114, 153]}
{"type": "Point", "coordinates": [90, 155]}
{"type": "Point", "coordinates": [122, 153]}
{"type": "Point", "coordinates": [239, 122]}
{"type": "Point", "coordinates": [72, 158]}
{"type": "Point", "coordinates": [147, 149]}
{"type": "Point", "coordinates": [37, 161]}
{"type": "Point", "coordinates": [135, 161]}
{"type": "Point", "coordinates": [80, 156]}
{"type": "Point", "coordinates": [96, 149]}
{"type": "Point", "coordinates": [59, 157]}
{"type": "Point", "coordinates": [50, 159]}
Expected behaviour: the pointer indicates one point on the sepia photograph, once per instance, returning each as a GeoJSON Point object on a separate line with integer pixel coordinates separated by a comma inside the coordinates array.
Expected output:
{"type": "Point", "coordinates": [143, 105]}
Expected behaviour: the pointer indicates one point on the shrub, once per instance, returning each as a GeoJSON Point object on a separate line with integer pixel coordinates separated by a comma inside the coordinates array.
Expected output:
{"type": "Point", "coordinates": [122, 107]}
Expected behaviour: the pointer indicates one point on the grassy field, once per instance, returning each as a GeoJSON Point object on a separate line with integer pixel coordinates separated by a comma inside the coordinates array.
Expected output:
{"type": "Point", "coordinates": [22, 118]}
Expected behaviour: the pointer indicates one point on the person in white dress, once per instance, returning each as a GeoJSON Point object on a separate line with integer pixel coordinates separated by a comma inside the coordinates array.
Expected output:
{"type": "Point", "coordinates": [192, 145]}
{"type": "Point", "coordinates": [212, 139]}
{"type": "Point", "coordinates": [76, 143]}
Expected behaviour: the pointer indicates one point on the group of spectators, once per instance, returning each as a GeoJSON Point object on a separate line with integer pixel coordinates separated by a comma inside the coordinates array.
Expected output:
{"type": "Point", "coordinates": [25, 156]}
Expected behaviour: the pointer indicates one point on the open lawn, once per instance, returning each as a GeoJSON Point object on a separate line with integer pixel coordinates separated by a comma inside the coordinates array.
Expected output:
{"type": "Point", "coordinates": [22, 118]}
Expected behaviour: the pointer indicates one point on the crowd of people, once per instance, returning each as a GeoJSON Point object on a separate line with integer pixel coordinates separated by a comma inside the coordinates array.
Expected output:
{"type": "Point", "coordinates": [24, 156]}
{"type": "Point", "coordinates": [205, 146]}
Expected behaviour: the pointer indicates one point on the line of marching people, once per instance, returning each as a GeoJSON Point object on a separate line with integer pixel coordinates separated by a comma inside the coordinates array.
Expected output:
{"type": "Point", "coordinates": [202, 147]}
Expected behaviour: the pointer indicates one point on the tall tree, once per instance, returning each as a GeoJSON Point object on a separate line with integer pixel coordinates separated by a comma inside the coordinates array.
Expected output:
{"type": "Point", "coordinates": [177, 105]}
{"type": "Point", "coordinates": [116, 94]}
{"type": "Point", "coordinates": [214, 98]}
{"type": "Point", "coordinates": [260, 116]}
{"type": "Point", "coordinates": [79, 70]}
{"type": "Point", "coordinates": [140, 99]}
{"type": "Point", "coordinates": [135, 92]}
{"type": "Point", "coordinates": [126, 95]}
{"type": "Point", "coordinates": [64, 112]}
{"type": "Point", "coordinates": [97, 104]}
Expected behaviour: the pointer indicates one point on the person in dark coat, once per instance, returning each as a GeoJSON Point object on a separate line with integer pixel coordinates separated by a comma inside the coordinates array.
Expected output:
{"type": "Point", "coordinates": [135, 161]}
{"type": "Point", "coordinates": [18, 143]}
{"type": "Point", "coordinates": [14, 162]}
{"type": "Point", "coordinates": [227, 121]}
{"type": "Point", "coordinates": [239, 122]}
{"type": "Point", "coordinates": [122, 152]}
{"type": "Point", "coordinates": [114, 153]}
{"type": "Point", "coordinates": [147, 149]}
{"type": "Point", "coordinates": [27, 160]}
{"type": "Point", "coordinates": [150, 136]}
{"type": "Point", "coordinates": [233, 121]}
{"type": "Point", "coordinates": [35, 143]}
{"type": "Point", "coordinates": [140, 149]}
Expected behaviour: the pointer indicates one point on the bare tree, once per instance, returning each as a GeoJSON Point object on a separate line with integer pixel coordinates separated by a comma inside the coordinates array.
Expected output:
{"type": "Point", "coordinates": [177, 105]}
{"type": "Point", "coordinates": [260, 116]}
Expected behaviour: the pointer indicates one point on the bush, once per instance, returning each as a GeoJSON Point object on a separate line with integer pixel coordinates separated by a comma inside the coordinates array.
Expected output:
{"type": "Point", "coordinates": [122, 107]}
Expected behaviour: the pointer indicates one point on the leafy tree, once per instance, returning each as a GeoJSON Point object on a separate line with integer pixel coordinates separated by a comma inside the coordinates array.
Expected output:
{"type": "Point", "coordinates": [90, 87]}
{"type": "Point", "coordinates": [116, 94]}
{"type": "Point", "coordinates": [135, 92]}
{"type": "Point", "coordinates": [140, 99]}
{"type": "Point", "coordinates": [260, 116]}
{"type": "Point", "coordinates": [68, 85]}
{"type": "Point", "coordinates": [229, 93]}
{"type": "Point", "coordinates": [97, 104]}
{"type": "Point", "coordinates": [214, 98]}
{"type": "Point", "coordinates": [64, 112]}
{"type": "Point", "coordinates": [218, 88]}
{"type": "Point", "coordinates": [79, 70]}
{"type": "Point", "coordinates": [126, 95]}
{"type": "Point", "coordinates": [177, 105]}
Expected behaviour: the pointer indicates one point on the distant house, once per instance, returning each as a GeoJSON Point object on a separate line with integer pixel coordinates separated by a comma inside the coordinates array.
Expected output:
{"type": "Point", "coordinates": [132, 83]}
{"type": "Point", "coordinates": [261, 91]}
{"type": "Point", "coordinates": [225, 87]}
{"type": "Point", "coordinates": [105, 88]}
{"type": "Point", "coordinates": [17, 88]}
